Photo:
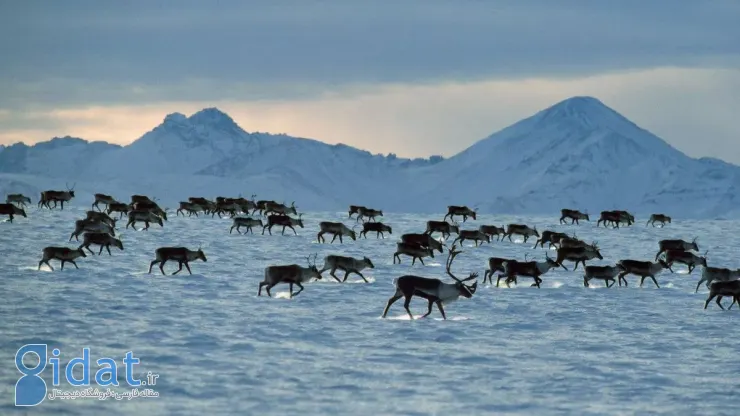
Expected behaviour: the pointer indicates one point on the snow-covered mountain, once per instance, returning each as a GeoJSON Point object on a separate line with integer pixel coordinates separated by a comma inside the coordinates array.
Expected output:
{"type": "Point", "coordinates": [60, 156]}
{"type": "Point", "coordinates": [578, 153]}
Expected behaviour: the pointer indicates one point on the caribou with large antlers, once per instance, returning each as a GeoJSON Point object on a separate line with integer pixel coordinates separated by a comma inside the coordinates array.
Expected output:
{"type": "Point", "coordinates": [182, 255]}
{"type": "Point", "coordinates": [56, 196]}
{"type": "Point", "coordinates": [337, 229]}
{"type": "Point", "coordinates": [293, 274]}
{"type": "Point", "coordinates": [433, 290]}
{"type": "Point", "coordinates": [11, 211]}
{"type": "Point", "coordinates": [459, 210]}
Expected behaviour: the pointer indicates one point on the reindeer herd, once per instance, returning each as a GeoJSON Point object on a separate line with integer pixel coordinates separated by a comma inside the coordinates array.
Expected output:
{"type": "Point", "coordinates": [99, 228]}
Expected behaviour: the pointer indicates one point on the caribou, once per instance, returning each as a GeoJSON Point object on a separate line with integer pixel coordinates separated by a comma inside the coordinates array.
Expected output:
{"type": "Point", "coordinates": [369, 213]}
{"type": "Point", "coordinates": [521, 229]}
{"type": "Point", "coordinates": [463, 211]}
{"type": "Point", "coordinates": [63, 254]}
{"type": "Point", "coordinates": [572, 214]}
{"type": "Point", "coordinates": [682, 245]}
{"type": "Point", "coordinates": [207, 205]}
{"type": "Point", "coordinates": [443, 227]}
{"type": "Point", "coordinates": [605, 273]}
{"type": "Point", "coordinates": [189, 207]}
{"type": "Point", "coordinates": [716, 274]}
{"type": "Point", "coordinates": [335, 228]}
{"type": "Point", "coordinates": [11, 211]}
{"type": "Point", "coordinates": [182, 255]}
{"type": "Point", "coordinates": [246, 222]}
{"type": "Point", "coordinates": [18, 199]}
{"type": "Point", "coordinates": [262, 205]}
{"type": "Point", "coordinates": [685, 257]}
{"type": "Point", "coordinates": [144, 216]}
{"type": "Point", "coordinates": [719, 289]}
{"type": "Point", "coordinates": [433, 290]}
{"type": "Point", "coordinates": [284, 221]}
{"type": "Point", "coordinates": [56, 196]}
{"type": "Point", "coordinates": [102, 199]}
{"type": "Point", "coordinates": [346, 264]}
{"type": "Point", "coordinates": [101, 217]}
{"type": "Point", "coordinates": [550, 237]}
{"type": "Point", "coordinates": [424, 240]}
{"type": "Point", "coordinates": [378, 227]}
{"type": "Point", "coordinates": [414, 251]}
{"type": "Point", "coordinates": [492, 230]}
{"type": "Point", "coordinates": [282, 209]}
{"type": "Point", "coordinates": [643, 269]}
{"type": "Point", "coordinates": [226, 206]}
{"type": "Point", "coordinates": [355, 209]}
{"type": "Point", "coordinates": [533, 269]}
{"type": "Point", "coordinates": [616, 217]}
{"type": "Point", "coordinates": [104, 240]}
{"type": "Point", "coordinates": [292, 274]}
{"type": "Point", "coordinates": [91, 225]}
{"type": "Point", "coordinates": [661, 218]}
{"type": "Point", "coordinates": [578, 255]}
{"type": "Point", "coordinates": [141, 199]}
{"type": "Point", "coordinates": [495, 264]}
{"type": "Point", "coordinates": [152, 207]}
{"type": "Point", "coordinates": [475, 235]}
{"type": "Point", "coordinates": [119, 207]}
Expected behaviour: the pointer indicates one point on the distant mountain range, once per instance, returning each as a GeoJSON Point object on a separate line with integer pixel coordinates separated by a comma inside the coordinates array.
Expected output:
{"type": "Point", "coordinates": [578, 153]}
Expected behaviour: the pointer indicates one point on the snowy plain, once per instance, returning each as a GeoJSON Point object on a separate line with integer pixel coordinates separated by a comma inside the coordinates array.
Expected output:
{"type": "Point", "coordinates": [220, 349]}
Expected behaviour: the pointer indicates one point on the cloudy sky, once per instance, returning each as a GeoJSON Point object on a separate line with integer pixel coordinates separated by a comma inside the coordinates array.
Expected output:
{"type": "Point", "coordinates": [413, 77]}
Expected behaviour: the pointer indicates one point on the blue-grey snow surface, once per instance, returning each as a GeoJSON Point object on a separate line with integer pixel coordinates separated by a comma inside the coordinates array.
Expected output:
{"type": "Point", "coordinates": [219, 349]}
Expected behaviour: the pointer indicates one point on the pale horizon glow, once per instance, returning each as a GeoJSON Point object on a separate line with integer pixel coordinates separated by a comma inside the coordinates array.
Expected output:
{"type": "Point", "coordinates": [408, 79]}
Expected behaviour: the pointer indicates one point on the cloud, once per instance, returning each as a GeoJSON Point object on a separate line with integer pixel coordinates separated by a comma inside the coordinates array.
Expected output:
{"type": "Point", "coordinates": [693, 109]}
{"type": "Point", "coordinates": [141, 51]}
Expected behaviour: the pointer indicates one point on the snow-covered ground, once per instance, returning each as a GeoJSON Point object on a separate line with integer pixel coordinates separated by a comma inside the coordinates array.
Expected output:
{"type": "Point", "coordinates": [220, 349]}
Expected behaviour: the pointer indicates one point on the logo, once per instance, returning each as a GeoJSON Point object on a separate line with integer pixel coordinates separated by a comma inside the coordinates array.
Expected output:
{"type": "Point", "coordinates": [31, 389]}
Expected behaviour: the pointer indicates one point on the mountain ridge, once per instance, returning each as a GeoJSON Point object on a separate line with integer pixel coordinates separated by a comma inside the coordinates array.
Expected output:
{"type": "Point", "coordinates": [575, 153]}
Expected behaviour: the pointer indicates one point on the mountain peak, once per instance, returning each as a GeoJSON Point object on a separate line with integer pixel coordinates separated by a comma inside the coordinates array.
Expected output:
{"type": "Point", "coordinates": [586, 111]}
{"type": "Point", "coordinates": [175, 118]}
{"type": "Point", "coordinates": [212, 116]}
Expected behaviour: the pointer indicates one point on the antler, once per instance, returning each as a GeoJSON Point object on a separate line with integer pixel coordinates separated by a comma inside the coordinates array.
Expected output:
{"type": "Point", "coordinates": [292, 204]}
{"type": "Point", "coordinates": [526, 256]}
{"type": "Point", "coordinates": [450, 258]}
{"type": "Point", "coordinates": [254, 196]}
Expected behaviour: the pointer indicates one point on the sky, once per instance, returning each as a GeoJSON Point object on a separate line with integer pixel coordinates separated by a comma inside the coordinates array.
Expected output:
{"type": "Point", "coordinates": [411, 77]}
